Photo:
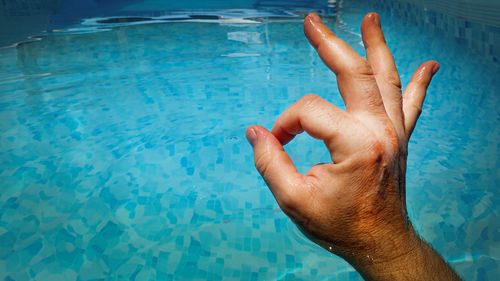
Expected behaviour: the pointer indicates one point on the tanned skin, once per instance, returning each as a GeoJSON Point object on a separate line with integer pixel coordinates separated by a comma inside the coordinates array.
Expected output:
{"type": "Point", "coordinates": [354, 207]}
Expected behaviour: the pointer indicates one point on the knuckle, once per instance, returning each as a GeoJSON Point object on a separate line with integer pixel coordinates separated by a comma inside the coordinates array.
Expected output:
{"type": "Point", "coordinates": [382, 150]}
{"type": "Point", "coordinates": [417, 108]}
{"type": "Point", "coordinates": [310, 99]}
{"type": "Point", "coordinates": [376, 152]}
{"type": "Point", "coordinates": [294, 201]}
{"type": "Point", "coordinates": [394, 81]}
{"type": "Point", "coordinates": [324, 42]}
{"type": "Point", "coordinates": [310, 103]}
{"type": "Point", "coordinates": [362, 69]}
{"type": "Point", "coordinates": [262, 163]}
{"type": "Point", "coordinates": [411, 107]}
{"type": "Point", "coordinates": [422, 79]}
{"type": "Point", "coordinates": [288, 204]}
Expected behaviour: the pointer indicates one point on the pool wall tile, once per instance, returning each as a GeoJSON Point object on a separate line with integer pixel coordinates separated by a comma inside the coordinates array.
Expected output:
{"type": "Point", "coordinates": [481, 35]}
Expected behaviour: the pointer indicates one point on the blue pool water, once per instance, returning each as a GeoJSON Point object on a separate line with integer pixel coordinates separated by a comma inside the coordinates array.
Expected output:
{"type": "Point", "coordinates": [122, 150]}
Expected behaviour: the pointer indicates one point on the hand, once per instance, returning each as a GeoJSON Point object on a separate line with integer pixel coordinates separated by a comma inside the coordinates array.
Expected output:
{"type": "Point", "coordinates": [354, 207]}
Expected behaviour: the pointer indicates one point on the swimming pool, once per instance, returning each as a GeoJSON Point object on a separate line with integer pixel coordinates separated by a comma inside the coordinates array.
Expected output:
{"type": "Point", "coordinates": [122, 150]}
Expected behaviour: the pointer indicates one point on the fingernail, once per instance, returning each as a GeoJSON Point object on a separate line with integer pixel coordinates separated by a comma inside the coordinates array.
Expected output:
{"type": "Point", "coordinates": [251, 136]}
{"type": "Point", "coordinates": [314, 17]}
{"type": "Point", "coordinates": [435, 68]}
{"type": "Point", "coordinates": [376, 18]}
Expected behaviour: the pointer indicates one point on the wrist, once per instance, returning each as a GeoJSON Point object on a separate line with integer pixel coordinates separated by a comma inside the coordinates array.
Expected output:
{"type": "Point", "coordinates": [387, 249]}
{"type": "Point", "coordinates": [390, 261]}
{"type": "Point", "coordinates": [415, 260]}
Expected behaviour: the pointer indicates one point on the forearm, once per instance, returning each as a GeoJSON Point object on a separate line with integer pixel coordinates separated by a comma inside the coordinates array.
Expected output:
{"type": "Point", "coordinates": [420, 263]}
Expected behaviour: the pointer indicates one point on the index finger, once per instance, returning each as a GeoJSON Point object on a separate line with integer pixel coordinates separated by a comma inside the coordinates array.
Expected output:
{"type": "Point", "coordinates": [321, 120]}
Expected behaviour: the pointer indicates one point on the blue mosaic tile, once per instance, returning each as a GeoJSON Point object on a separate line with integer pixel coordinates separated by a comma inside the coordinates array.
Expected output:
{"type": "Point", "coordinates": [473, 34]}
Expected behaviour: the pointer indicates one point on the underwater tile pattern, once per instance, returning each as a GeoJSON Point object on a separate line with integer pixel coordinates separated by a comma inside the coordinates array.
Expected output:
{"type": "Point", "coordinates": [122, 152]}
{"type": "Point", "coordinates": [482, 37]}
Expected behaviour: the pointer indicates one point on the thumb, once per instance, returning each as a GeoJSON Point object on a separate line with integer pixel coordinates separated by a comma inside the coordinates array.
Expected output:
{"type": "Point", "coordinates": [276, 167]}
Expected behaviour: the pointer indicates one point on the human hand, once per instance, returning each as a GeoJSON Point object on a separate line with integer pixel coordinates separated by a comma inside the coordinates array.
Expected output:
{"type": "Point", "coordinates": [354, 207]}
